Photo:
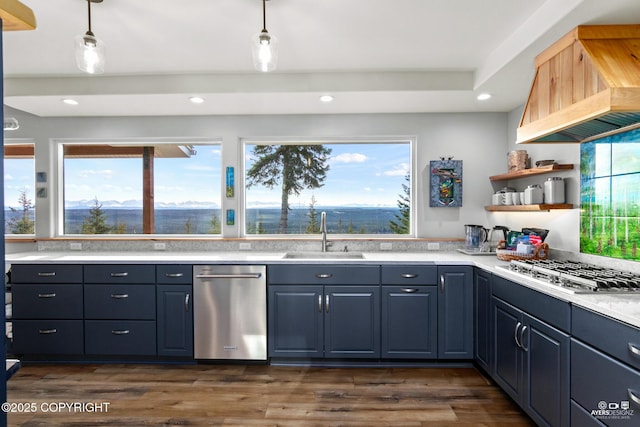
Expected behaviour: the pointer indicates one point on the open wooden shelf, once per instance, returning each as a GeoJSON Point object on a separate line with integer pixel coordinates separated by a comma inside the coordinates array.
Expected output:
{"type": "Point", "coordinates": [527, 208]}
{"type": "Point", "coordinates": [523, 173]}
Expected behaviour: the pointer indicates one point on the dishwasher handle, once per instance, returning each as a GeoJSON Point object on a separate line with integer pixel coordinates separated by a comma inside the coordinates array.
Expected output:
{"type": "Point", "coordinates": [230, 276]}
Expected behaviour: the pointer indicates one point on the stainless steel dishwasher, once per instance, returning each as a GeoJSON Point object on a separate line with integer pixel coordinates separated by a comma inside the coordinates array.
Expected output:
{"type": "Point", "coordinates": [230, 312]}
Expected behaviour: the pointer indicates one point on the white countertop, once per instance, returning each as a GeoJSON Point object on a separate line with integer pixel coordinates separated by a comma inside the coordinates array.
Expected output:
{"type": "Point", "coordinates": [625, 308]}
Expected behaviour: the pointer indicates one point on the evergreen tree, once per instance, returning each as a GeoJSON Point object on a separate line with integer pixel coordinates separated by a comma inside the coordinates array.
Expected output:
{"type": "Point", "coordinates": [215, 227]}
{"type": "Point", "coordinates": [24, 224]}
{"type": "Point", "coordinates": [403, 224]}
{"type": "Point", "coordinates": [96, 222]}
{"type": "Point", "coordinates": [313, 226]}
{"type": "Point", "coordinates": [294, 167]}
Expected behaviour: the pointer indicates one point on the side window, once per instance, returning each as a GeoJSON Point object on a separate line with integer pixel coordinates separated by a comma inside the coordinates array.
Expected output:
{"type": "Point", "coordinates": [19, 189]}
{"type": "Point", "coordinates": [364, 187]}
{"type": "Point", "coordinates": [142, 189]}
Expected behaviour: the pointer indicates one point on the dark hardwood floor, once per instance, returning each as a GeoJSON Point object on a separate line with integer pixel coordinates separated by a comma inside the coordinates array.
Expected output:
{"type": "Point", "coordinates": [257, 395]}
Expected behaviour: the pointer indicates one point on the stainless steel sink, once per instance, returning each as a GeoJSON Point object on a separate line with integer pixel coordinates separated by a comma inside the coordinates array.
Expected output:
{"type": "Point", "coordinates": [324, 255]}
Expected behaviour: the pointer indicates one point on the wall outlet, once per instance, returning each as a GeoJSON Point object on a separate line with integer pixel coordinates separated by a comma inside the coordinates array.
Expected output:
{"type": "Point", "coordinates": [433, 246]}
{"type": "Point", "coordinates": [245, 246]}
{"type": "Point", "coordinates": [159, 246]}
{"type": "Point", "coordinates": [386, 246]}
{"type": "Point", "coordinates": [75, 246]}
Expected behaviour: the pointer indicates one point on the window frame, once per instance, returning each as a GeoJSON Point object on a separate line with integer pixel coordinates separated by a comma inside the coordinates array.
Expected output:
{"type": "Point", "coordinates": [397, 139]}
{"type": "Point", "coordinates": [59, 202]}
{"type": "Point", "coordinates": [9, 142]}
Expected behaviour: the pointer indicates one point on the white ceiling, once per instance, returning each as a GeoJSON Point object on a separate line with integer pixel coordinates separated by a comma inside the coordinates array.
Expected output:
{"type": "Point", "coordinates": [374, 56]}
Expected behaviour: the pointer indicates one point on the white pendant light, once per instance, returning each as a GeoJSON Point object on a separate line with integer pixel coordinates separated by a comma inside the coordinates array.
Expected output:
{"type": "Point", "coordinates": [90, 50]}
{"type": "Point", "coordinates": [264, 47]}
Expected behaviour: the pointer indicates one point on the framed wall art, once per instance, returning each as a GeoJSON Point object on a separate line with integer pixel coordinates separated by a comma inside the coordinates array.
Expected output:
{"type": "Point", "coordinates": [445, 183]}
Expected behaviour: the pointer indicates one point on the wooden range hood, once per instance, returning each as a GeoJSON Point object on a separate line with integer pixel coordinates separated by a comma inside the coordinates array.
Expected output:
{"type": "Point", "coordinates": [587, 85]}
{"type": "Point", "coordinates": [16, 16]}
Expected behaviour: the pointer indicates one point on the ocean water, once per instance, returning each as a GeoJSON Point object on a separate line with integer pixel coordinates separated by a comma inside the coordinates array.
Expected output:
{"type": "Point", "coordinates": [361, 220]}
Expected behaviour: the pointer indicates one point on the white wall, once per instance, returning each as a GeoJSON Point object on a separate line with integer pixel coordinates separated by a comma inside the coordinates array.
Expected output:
{"type": "Point", "coordinates": [563, 224]}
{"type": "Point", "coordinates": [480, 140]}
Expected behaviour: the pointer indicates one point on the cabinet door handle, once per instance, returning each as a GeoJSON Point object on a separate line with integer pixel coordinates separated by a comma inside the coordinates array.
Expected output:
{"type": "Point", "coordinates": [442, 283]}
{"type": "Point", "coordinates": [51, 295]}
{"type": "Point", "coordinates": [634, 349]}
{"type": "Point", "coordinates": [633, 396]}
{"type": "Point", "coordinates": [326, 303]}
{"type": "Point", "coordinates": [186, 302]}
{"type": "Point", "coordinates": [524, 347]}
{"type": "Point", "coordinates": [119, 296]}
{"type": "Point", "coordinates": [121, 274]}
{"type": "Point", "coordinates": [324, 275]}
{"type": "Point", "coordinates": [320, 303]}
{"type": "Point", "coordinates": [173, 275]}
{"type": "Point", "coordinates": [408, 276]}
{"type": "Point", "coordinates": [120, 332]}
{"type": "Point", "coordinates": [47, 331]}
{"type": "Point", "coordinates": [409, 290]}
{"type": "Point", "coordinates": [46, 274]}
{"type": "Point", "coordinates": [515, 334]}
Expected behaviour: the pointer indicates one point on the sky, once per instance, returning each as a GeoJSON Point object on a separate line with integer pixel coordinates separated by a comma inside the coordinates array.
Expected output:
{"type": "Point", "coordinates": [359, 174]}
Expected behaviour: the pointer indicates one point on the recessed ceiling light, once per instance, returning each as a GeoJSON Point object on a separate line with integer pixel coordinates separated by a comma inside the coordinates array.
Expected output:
{"type": "Point", "coordinates": [483, 96]}
{"type": "Point", "coordinates": [196, 99]}
{"type": "Point", "coordinates": [326, 98]}
{"type": "Point", "coordinates": [70, 101]}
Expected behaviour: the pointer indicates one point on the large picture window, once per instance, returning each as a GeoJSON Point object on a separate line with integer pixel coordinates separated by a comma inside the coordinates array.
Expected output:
{"type": "Point", "coordinates": [363, 186]}
{"type": "Point", "coordinates": [147, 188]}
{"type": "Point", "coordinates": [19, 189]}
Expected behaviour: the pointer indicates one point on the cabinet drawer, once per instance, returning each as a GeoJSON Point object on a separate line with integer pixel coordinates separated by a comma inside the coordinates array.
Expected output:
{"type": "Point", "coordinates": [174, 274]}
{"type": "Point", "coordinates": [410, 275]}
{"type": "Point", "coordinates": [323, 274]}
{"type": "Point", "coordinates": [120, 302]}
{"type": "Point", "coordinates": [546, 308]}
{"type": "Point", "coordinates": [46, 273]}
{"type": "Point", "coordinates": [47, 301]}
{"type": "Point", "coordinates": [119, 273]}
{"type": "Point", "coordinates": [620, 340]}
{"type": "Point", "coordinates": [596, 378]}
{"type": "Point", "coordinates": [48, 337]}
{"type": "Point", "coordinates": [134, 337]}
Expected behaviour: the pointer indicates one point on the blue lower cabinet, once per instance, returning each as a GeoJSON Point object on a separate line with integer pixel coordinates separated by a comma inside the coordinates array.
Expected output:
{"type": "Point", "coordinates": [531, 364]}
{"type": "Point", "coordinates": [174, 320]}
{"type": "Point", "coordinates": [455, 312]}
{"type": "Point", "coordinates": [314, 321]}
{"type": "Point", "coordinates": [409, 322]}
{"type": "Point", "coordinates": [482, 319]}
{"type": "Point", "coordinates": [48, 337]}
{"type": "Point", "coordinates": [120, 337]}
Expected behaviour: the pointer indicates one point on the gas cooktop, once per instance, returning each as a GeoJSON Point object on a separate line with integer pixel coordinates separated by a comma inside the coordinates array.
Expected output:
{"type": "Point", "coordinates": [577, 277]}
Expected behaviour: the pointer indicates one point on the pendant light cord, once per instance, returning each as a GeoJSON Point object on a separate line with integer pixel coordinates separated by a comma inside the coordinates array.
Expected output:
{"type": "Point", "coordinates": [264, 16]}
{"type": "Point", "coordinates": [89, 13]}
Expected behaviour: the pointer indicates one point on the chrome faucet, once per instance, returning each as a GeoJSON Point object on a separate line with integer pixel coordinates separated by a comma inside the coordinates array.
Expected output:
{"type": "Point", "coordinates": [323, 230]}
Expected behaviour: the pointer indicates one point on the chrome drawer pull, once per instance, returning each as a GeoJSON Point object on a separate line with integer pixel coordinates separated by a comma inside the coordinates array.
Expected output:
{"type": "Point", "coordinates": [634, 349]}
{"type": "Point", "coordinates": [524, 328]}
{"type": "Point", "coordinates": [320, 303]}
{"type": "Point", "coordinates": [47, 274]}
{"type": "Point", "coordinates": [186, 302]}
{"type": "Point", "coordinates": [633, 396]}
{"type": "Point", "coordinates": [408, 276]}
{"type": "Point", "coordinates": [119, 296]}
{"type": "Point", "coordinates": [123, 332]}
{"type": "Point", "coordinates": [326, 303]}
{"type": "Point", "coordinates": [47, 331]}
{"type": "Point", "coordinates": [442, 283]}
{"type": "Point", "coordinates": [172, 275]}
{"type": "Point", "coordinates": [409, 290]}
{"type": "Point", "coordinates": [123, 274]}
{"type": "Point", "coordinates": [47, 295]}
{"type": "Point", "coordinates": [324, 275]}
